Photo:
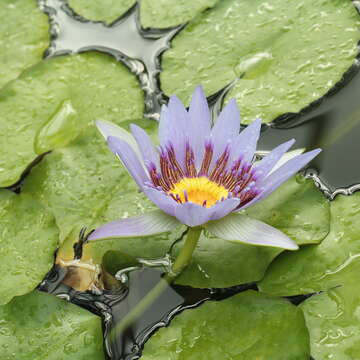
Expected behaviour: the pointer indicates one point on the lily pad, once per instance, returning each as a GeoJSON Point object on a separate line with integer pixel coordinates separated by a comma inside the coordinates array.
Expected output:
{"type": "Point", "coordinates": [42, 327]}
{"type": "Point", "coordinates": [291, 209]}
{"type": "Point", "coordinates": [333, 317]}
{"type": "Point", "coordinates": [105, 10]}
{"type": "Point", "coordinates": [262, 327]}
{"type": "Point", "coordinates": [251, 39]}
{"type": "Point", "coordinates": [166, 13]}
{"type": "Point", "coordinates": [91, 85]}
{"type": "Point", "coordinates": [27, 244]}
{"type": "Point", "coordinates": [310, 269]}
{"type": "Point", "coordinates": [22, 41]}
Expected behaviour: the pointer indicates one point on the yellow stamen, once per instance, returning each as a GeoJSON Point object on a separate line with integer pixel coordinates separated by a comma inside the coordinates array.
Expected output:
{"type": "Point", "coordinates": [199, 190]}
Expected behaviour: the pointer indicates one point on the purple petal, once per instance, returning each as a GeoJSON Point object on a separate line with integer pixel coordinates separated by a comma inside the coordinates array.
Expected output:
{"type": "Point", "coordinates": [227, 125]}
{"type": "Point", "coordinates": [240, 228]}
{"type": "Point", "coordinates": [147, 149]}
{"type": "Point", "coordinates": [226, 129]}
{"type": "Point", "coordinates": [222, 208]}
{"type": "Point", "coordinates": [192, 214]}
{"type": "Point", "coordinates": [152, 223]}
{"type": "Point", "coordinates": [161, 200]}
{"type": "Point", "coordinates": [270, 160]}
{"type": "Point", "coordinates": [107, 129]}
{"type": "Point", "coordinates": [172, 130]}
{"type": "Point", "coordinates": [128, 157]}
{"type": "Point", "coordinates": [279, 176]}
{"type": "Point", "coordinates": [244, 145]}
{"type": "Point", "coordinates": [199, 125]}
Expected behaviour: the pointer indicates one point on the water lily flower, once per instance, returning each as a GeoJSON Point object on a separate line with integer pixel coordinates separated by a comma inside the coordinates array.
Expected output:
{"type": "Point", "coordinates": [201, 176]}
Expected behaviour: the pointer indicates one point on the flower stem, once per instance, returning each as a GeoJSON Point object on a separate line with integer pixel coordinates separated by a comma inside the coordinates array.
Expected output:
{"type": "Point", "coordinates": [179, 265]}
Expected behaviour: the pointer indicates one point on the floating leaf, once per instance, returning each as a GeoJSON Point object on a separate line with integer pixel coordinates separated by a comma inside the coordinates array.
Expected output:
{"type": "Point", "coordinates": [94, 85]}
{"type": "Point", "coordinates": [22, 40]}
{"type": "Point", "coordinates": [251, 39]}
{"type": "Point", "coordinates": [307, 270]}
{"type": "Point", "coordinates": [166, 13]}
{"type": "Point", "coordinates": [105, 10]}
{"type": "Point", "coordinates": [333, 317]}
{"type": "Point", "coordinates": [42, 327]}
{"type": "Point", "coordinates": [28, 239]}
{"type": "Point", "coordinates": [246, 326]}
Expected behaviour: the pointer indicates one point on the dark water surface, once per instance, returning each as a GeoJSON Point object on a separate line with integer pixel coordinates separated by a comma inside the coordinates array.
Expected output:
{"type": "Point", "coordinates": [330, 123]}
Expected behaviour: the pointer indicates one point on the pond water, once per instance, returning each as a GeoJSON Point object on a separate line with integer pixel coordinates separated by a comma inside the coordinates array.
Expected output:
{"type": "Point", "coordinates": [329, 119]}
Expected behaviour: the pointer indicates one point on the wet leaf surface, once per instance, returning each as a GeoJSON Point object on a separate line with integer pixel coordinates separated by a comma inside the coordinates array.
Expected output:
{"type": "Point", "coordinates": [22, 42]}
{"type": "Point", "coordinates": [28, 239]}
{"type": "Point", "coordinates": [310, 269]}
{"type": "Point", "coordinates": [251, 39]}
{"type": "Point", "coordinates": [105, 10]}
{"type": "Point", "coordinates": [262, 327]}
{"type": "Point", "coordinates": [42, 327]}
{"type": "Point", "coordinates": [333, 317]}
{"type": "Point", "coordinates": [166, 13]}
{"type": "Point", "coordinates": [95, 86]}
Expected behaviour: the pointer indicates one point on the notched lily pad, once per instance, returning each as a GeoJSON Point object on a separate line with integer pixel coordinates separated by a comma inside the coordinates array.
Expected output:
{"type": "Point", "coordinates": [28, 239]}
{"type": "Point", "coordinates": [105, 10]}
{"type": "Point", "coordinates": [251, 39]}
{"type": "Point", "coordinates": [94, 86]}
{"type": "Point", "coordinates": [42, 327]}
{"type": "Point", "coordinates": [166, 13]}
{"type": "Point", "coordinates": [246, 326]}
{"type": "Point", "coordinates": [333, 317]}
{"type": "Point", "coordinates": [24, 37]}
{"type": "Point", "coordinates": [310, 269]}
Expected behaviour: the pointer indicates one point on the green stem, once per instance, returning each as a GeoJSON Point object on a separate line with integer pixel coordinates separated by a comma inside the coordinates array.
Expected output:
{"type": "Point", "coordinates": [179, 265]}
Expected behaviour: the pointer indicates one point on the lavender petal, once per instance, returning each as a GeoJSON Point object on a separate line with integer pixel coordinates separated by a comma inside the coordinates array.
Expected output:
{"type": "Point", "coordinates": [161, 200]}
{"type": "Point", "coordinates": [240, 228]}
{"type": "Point", "coordinates": [269, 161]}
{"type": "Point", "coordinates": [279, 176]}
{"type": "Point", "coordinates": [107, 128]}
{"type": "Point", "coordinates": [199, 125]}
{"type": "Point", "coordinates": [146, 147]}
{"type": "Point", "coordinates": [192, 214]}
{"type": "Point", "coordinates": [130, 160]}
{"type": "Point", "coordinates": [152, 223]}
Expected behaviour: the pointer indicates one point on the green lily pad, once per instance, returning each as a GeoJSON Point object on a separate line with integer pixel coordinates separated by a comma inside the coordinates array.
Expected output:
{"type": "Point", "coordinates": [166, 13]}
{"type": "Point", "coordinates": [246, 326]}
{"type": "Point", "coordinates": [309, 269]}
{"type": "Point", "coordinates": [333, 317]}
{"type": "Point", "coordinates": [105, 10]}
{"type": "Point", "coordinates": [42, 327]}
{"type": "Point", "coordinates": [38, 108]}
{"type": "Point", "coordinates": [251, 39]}
{"type": "Point", "coordinates": [28, 242]}
{"type": "Point", "coordinates": [22, 41]}
{"type": "Point", "coordinates": [291, 209]}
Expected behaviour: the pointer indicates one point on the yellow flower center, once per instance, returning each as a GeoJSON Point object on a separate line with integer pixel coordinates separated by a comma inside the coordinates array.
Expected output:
{"type": "Point", "coordinates": [199, 190]}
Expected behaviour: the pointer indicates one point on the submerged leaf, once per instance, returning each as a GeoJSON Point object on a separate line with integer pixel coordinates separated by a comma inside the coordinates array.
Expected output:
{"type": "Point", "coordinates": [246, 326]}
{"type": "Point", "coordinates": [28, 239]}
{"type": "Point", "coordinates": [39, 326]}
{"type": "Point", "coordinates": [251, 39]}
